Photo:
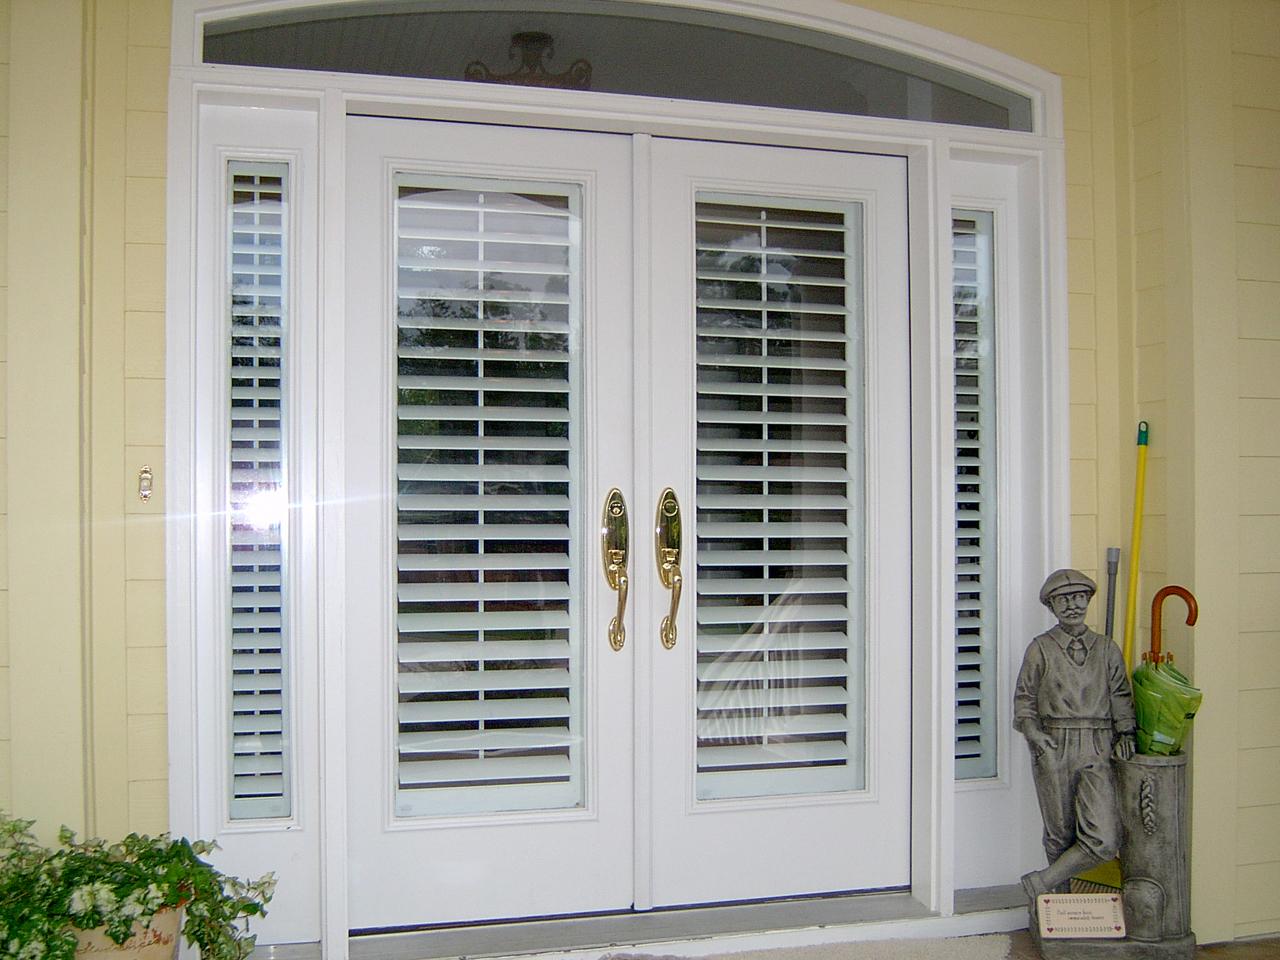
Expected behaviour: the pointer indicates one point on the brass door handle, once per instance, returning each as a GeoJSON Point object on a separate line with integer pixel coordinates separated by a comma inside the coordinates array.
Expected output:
{"type": "Point", "coordinates": [667, 537]}
{"type": "Point", "coordinates": [613, 552]}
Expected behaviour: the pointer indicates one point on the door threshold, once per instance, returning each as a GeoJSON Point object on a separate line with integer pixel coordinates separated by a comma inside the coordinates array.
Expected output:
{"type": "Point", "coordinates": [697, 931]}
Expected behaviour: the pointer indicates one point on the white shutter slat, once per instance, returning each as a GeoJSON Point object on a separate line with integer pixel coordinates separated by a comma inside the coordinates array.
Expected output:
{"type": "Point", "coordinates": [528, 473]}
{"type": "Point", "coordinates": [487, 658]}
{"type": "Point", "coordinates": [472, 504]}
{"type": "Point", "coordinates": [258, 643]}
{"type": "Point", "coordinates": [455, 711]}
{"type": "Point", "coordinates": [709, 587]}
{"type": "Point", "coordinates": [776, 359]}
{"type": "Point", "coordinates": [786, 725]}
{"type": "Point", "coordinates": [539, 354]}
{"type": "Point", "coordinates": [491, 531]}
{"type": "Point", "coordinates": [750, 361]}
{"type": "Point", "coordinates": [777, 698]}
{"type": "Point", "coordinates": [444, 651]}
{"type": "Point", "coordinates": [483, 771]}
{"type": "Point", "coordinates": [483, 620]}
{"type": "Point", "coordinates": [740, 643]}
{"type": "Point", "coordinates": [973, 347]}
{"type": "Point", "coordinates": [736, 671]}
{"type": "Point", "coordinates": [774, 754]}
{"type": "Point", "coordinates": [489, 384]}
{"type": "Point", "coordinates": [483, 680]}
{"type": "Point", "coordinates": [770, 558]}
{"type": "Point", "coordinates": [500, 590]}
{"type": "Point", "coordinates": [459, 741]}
{"type": "Point", "coordinates": [482, 561]}
{"type": "Point", "coordinates": [481, 414]}
{"type": "Point", "coordinates": [481, 443]}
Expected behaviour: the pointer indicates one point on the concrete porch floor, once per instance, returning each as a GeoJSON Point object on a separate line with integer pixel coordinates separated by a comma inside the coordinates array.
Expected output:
{"type": "Point", "coordinates": [1266, 949]}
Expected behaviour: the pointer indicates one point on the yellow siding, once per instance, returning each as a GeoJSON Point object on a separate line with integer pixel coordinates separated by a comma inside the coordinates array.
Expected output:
{"type": "Point", "coordinates": [141, 339]}
{"type": "Point", "coordinates": [1255, 75]}
{"type": "Point", "coordinates": [126, 410]}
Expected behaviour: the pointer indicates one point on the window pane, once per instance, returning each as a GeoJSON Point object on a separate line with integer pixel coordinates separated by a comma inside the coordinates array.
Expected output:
{"type": "Point", "coordinates": [487, 406]}
{"type": "Point", "coordinates": [780, 648]}
{"type": "Point", "coordinates": [973, 318]}
{"type": "Point", "coordinates": [258, 494]}
{"type": "Point", "coordinates": [612, 47]}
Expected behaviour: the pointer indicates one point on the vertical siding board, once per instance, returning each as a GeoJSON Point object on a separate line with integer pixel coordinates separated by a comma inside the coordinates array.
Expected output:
{"type": "Point", "coordinates": [46, 608]}
{"type": "Point", "coordinates": [106, 488]}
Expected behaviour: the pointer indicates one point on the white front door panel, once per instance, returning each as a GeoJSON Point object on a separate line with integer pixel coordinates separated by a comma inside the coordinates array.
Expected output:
{"type": "Point", "coordinates": [488, 316]}
{"type": "Point", "coordinates": [781, 717]}
{"type": "Point", "coordinates": [504, 760]}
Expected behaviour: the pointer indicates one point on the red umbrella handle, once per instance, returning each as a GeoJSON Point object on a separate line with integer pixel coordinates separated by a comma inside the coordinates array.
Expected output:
{"type": "Point", "coordinates": [1157, 602]}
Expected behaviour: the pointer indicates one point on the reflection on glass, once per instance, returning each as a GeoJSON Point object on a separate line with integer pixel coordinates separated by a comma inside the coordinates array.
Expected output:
{"type": "Point", "coordinates": [780, 706]}
{"type": "Point", "coordinates": [257, 492]}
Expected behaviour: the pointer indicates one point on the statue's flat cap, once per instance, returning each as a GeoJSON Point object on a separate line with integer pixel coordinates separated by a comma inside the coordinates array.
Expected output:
{"type": "Point", "coordinates": [1066, 581]}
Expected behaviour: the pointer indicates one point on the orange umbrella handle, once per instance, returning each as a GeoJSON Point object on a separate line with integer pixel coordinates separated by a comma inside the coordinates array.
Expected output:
{"type": "Point", "coordinates": [1193, 613]}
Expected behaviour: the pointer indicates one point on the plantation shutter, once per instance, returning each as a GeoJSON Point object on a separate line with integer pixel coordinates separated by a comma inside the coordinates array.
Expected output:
{"type": "Point", "coordinates": [779, 498]}
{"type": "Point", "coordinates": [974, 382]}
{"type": "Point", "coordinates": [257, 492]}
{"type": "Point", "coordinates": [487, 611]}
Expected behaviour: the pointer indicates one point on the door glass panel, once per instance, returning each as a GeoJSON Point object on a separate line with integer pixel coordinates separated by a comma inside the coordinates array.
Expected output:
{"type": "Point", "coordinates": [973, 352]}
{"type": "Point", "coordinates": [488, 566]}
{"type": "Point", "coordinates": [780, 676]}
{"type": "Point", "coordinates": [257, 492]}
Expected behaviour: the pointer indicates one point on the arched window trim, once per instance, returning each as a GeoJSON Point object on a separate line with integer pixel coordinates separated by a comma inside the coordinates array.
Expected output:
{"type": "Point", "coordinates": [820, 16]}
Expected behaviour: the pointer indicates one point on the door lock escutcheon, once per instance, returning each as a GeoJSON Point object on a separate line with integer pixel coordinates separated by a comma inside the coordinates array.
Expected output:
{"type": "Point", "coordinates": [614, 553]}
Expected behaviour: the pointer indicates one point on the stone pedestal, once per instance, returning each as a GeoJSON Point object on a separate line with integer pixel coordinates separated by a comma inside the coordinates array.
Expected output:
{"type": "Point", "coordinates": [1155, 854]}
{"type": "Point", "coordinates": [1155, 864]}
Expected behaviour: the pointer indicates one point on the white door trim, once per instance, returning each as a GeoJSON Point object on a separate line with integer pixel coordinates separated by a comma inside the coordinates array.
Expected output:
{"type": "Point", "coordinates": [932, 185]}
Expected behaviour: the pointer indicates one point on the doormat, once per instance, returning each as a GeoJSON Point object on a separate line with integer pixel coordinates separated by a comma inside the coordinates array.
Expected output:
{"type": "Point", "coordinates": [988, 947]}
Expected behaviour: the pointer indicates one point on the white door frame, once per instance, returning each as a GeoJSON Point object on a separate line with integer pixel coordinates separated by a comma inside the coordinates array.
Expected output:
{"type": "Point", "coordinates": [326, 99]}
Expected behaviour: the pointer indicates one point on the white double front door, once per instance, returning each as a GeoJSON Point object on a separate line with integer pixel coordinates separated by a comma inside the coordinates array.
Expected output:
{"type": "Point", "coordinates": [535, 318]}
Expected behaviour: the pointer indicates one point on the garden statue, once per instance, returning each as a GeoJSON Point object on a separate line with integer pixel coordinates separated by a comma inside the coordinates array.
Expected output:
{"type": "Point", "coordinates": [1074, 705]}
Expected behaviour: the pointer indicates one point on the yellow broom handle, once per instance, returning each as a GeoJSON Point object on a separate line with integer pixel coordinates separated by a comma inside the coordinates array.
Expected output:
{"type": "Point", "coordinates": [1139, 495]}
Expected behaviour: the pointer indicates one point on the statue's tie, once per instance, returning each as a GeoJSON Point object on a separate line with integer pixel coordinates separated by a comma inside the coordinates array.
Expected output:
{"type": "Point", "coordinates": [1075, 650]}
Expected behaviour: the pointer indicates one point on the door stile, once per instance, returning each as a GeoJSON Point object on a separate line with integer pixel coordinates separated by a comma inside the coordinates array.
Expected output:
{"type": "Point", "coordinates": [334, 909]}
{"type": "Point", "coordinates": [646, 446]}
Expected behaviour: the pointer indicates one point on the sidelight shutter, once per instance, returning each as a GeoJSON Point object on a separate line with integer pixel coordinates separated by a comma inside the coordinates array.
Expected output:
{"type": "Point", "coordinates": [779, 498]}
{"type": "Point", "coordinates": [973, 315]}
{"type": "Point", "coordinates": [257, 490]}
{"type": "Point", "coordinates": [487, 604]}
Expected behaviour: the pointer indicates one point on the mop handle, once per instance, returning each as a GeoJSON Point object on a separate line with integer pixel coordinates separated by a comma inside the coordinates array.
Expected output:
{"type": "Point", "coordinates": [1193, 614]}
{"type": "Point", "coordinates": [1139, 494]}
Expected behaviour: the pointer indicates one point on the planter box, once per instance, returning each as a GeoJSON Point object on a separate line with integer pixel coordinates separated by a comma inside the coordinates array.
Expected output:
{"type": "Point", "coordinates": [156, 942]}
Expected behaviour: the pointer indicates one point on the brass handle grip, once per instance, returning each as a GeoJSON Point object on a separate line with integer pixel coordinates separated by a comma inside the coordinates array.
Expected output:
{"type": "Point", "coordinates": [668, 632]}
{"type": "Point", "coordinates": [614, 548]}
{"type": "Point", "coordinates": [667, 535]}
{"type": "Point", "coordinates": [618, 629]}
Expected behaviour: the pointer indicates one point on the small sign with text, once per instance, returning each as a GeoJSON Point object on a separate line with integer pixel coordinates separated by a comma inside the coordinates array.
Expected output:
{"type": "Point", "coordinates": [1080, 915]}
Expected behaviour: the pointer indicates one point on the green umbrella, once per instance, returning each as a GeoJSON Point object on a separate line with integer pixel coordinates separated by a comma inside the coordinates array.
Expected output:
{"type": "Point", "coordinates": [1164, 698]}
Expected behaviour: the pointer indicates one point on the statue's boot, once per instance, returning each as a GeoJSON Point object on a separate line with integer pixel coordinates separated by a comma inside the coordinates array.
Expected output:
{"type": "Point", "coordinates": [1075, 860]}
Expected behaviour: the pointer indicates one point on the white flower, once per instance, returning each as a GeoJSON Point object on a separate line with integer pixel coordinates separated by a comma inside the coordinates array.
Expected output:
{"type": "Point", "coordinates": [132, 906]}
{"type": "Point", "coordinates": [32, 951]}
{"type": "Point", "coordinates": [104, 897]}
{"type": "Point", "coordinates": [81, 901]}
